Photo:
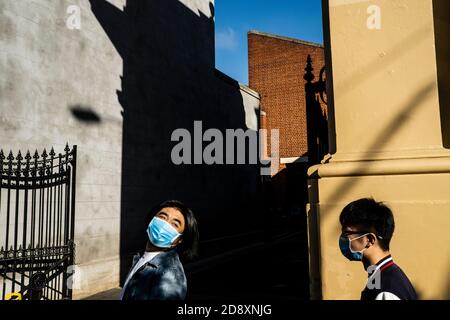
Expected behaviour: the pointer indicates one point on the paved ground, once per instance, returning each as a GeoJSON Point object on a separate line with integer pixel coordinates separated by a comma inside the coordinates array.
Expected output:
{"type": "Point", "coordinates": [274, 270]}
{"type": "Point", "coordinates": [112, 294]}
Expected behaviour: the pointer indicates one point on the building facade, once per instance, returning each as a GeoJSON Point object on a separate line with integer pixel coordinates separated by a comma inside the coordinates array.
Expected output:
{"type": "Point", "coordinates": [116, 78]}
{"type": "Point", "coordinates": [389, 118]}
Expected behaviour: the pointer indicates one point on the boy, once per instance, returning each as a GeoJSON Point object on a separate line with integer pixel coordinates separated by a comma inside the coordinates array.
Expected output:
{"type": "Point", "coordinates": [367, 228]}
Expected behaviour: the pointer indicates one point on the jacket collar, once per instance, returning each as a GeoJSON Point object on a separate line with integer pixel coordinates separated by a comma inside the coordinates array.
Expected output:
{"type": "Point", "coordinates": [381, 265]}
{"type": "Point", "coordinates": [158, 259]}
{"type": "Point", "coordinates": [384, 261]}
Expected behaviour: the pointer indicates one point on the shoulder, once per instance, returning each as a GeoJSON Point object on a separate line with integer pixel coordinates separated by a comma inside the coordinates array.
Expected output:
{"type": "Point", "coordinates": [164, 279]}
{"type": "Point", "coordinates": [171, 284]}
{"type": "Point", "coordinates": [169, 268]}
{"type": "Point", "coordinates": [168, 260]}
{"type": "Point", "coordinates": [395, 282]}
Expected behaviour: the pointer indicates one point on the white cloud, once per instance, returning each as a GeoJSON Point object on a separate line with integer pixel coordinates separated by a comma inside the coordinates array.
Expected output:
{"type": "Point", "coordinates": [226, 39]}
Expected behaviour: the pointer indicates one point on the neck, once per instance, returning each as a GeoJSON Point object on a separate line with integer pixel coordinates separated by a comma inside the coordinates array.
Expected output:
{"type": "Point", "coordinates": [374, 258]}
{"type": "Point", "coordinates": [151, 247]}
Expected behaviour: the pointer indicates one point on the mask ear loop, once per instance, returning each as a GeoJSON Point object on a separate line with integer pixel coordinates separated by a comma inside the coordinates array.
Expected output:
{"type": "Point", "coordinates": [350, 244]}
{"type": "Point", "coordinates": [376, 237]}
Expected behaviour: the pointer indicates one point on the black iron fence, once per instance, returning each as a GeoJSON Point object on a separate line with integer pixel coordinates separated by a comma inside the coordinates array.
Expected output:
{"type": "Point", "coordinates": [37, 211]}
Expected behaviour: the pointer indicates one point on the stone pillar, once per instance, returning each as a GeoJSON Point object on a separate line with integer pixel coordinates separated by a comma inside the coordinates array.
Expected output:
{"type": "Point", "coordinates": [389, 139]}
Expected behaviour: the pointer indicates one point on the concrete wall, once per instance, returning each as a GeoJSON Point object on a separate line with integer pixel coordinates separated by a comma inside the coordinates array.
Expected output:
{"type": "Point", "coordinates": [50, 74]}
{"type": "Point", "coordinates": [389, 142]}
{"type": "Point", "coordinates": [117, 88]}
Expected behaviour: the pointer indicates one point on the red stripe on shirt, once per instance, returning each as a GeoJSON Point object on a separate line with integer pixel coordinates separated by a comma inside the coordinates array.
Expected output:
{"type": "Point", "coordinates": [387, 265]}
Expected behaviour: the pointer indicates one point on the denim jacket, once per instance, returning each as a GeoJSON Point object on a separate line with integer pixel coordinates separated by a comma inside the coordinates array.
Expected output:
{"type": "Point", "coordinates": [162, 278]}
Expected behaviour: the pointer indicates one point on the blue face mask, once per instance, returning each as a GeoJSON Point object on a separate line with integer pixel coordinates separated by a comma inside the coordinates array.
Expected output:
{"type": "Point", "coordinates": [161, 233]}
{"type": "Point", "coordinates": [345, 244]}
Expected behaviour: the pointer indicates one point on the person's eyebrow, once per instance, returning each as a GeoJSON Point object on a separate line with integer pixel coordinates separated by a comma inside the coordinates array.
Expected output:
{"type": "Point", "coordinates": [163, 213]}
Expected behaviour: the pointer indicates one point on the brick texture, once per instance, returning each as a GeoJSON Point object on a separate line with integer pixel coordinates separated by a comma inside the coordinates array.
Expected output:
{"type": "Point", "coordinates": [276, 70]}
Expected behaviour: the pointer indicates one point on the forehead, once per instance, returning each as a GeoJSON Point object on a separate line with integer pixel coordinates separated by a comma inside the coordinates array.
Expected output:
{"type": "Point", "coordinates": [173, 213]}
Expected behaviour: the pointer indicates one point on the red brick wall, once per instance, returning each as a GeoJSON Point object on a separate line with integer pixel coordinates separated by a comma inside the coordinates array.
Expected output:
{"type": "Point", "coordinates": [276, 70]}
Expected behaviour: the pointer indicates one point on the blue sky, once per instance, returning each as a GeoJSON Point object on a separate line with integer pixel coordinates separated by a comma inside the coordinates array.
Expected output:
{"type": "Point", "coordinates": [301, 19]}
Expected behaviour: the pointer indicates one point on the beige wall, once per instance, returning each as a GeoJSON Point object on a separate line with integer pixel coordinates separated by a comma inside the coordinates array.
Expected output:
{"type": "Point", "coordinates": [389, 136]}
{"type": "Point", "coordinates": [420, 205]}
{"type": "Point", "coordinates": [387, 76]}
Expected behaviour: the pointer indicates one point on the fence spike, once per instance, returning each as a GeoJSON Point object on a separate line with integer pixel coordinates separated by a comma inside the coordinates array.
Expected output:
{"type": "Point", "coordinates": [36, 155]}
{"type": "Point", "coordinates": [28, 155]}
{"type": "Point", "coordinates": [44, 154]}
{"type": "Point", "coordinates": [67, 149]}
{"type": "Point", "coordinates": [19, 156]}
{"type": "Point", "coordinates": [2, 155]}
{"type": "Point", "coordinates": [52, 152]}
{"type": "Point", "coordinates": [10, 156]}
{"type": "Point", "coordinates": [309, 75]}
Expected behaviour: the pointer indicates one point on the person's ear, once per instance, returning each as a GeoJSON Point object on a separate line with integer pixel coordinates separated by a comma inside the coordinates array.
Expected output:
{"type": "Point", "coordinates": [372, 239]}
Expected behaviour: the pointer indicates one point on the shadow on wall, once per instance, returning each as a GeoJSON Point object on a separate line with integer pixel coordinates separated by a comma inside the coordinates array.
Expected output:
{"type": "Point", "coordinates": [285, 197]}
{"type": "Point", "coordinates": [85, 114]}
{"type": "Point", "coordinates": [169, 81]}
{"type": "Point", "coordinates": [393, 127]}
{"type": "Point", "coordinates": [316, 114]}
{"type": "Point", "coordinates": [441, 12]}
{"type": "Point", "coordinates": [380, 139]}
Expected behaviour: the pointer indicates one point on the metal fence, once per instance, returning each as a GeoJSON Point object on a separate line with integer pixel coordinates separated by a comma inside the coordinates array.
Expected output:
{"type": "Point", "coordinates": [37, 211]}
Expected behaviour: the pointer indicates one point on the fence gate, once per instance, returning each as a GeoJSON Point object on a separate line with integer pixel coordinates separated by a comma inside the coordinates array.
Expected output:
{"type": "Point", "coordinates": [37, 211]}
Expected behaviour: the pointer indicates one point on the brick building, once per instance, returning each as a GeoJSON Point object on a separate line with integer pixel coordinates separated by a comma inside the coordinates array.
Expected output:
{"type": "Point", "coordinates": [277, 72]}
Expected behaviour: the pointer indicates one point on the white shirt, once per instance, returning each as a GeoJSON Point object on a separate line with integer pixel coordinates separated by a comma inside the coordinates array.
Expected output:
{"type": "Point", "coordinates": [386, 296]}
{"type": "Point", "coordinates": [146, 257]}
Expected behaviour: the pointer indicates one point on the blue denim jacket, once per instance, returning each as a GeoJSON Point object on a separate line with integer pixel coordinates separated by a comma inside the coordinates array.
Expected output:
{"type": "Point", "coordinates": [162, 278]}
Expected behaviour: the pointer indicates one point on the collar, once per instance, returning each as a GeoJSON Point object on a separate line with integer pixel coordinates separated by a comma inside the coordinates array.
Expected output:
{"type": "Point", "coordinates": [381, 265]}
{"type": "Point", "coordinates": [383, 261]}
{"type": "Point", "coordinates": [160, 258]}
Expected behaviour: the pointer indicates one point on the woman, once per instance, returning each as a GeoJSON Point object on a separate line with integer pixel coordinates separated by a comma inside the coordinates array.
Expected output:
{"type": "Point", "coordinates": [158, 274]}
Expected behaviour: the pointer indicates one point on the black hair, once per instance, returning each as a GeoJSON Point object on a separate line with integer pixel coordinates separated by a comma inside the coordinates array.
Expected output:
{"type": "Point", "coordinates": [371, 215]}
{"type": "Point", "coordinates": [188, 248]}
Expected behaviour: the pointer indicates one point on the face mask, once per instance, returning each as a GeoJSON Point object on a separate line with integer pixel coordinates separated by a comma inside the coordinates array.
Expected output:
{"type": "Point", "coordinates": [345, 244]}
{"type": "Point", "coordinates": [161, 233]}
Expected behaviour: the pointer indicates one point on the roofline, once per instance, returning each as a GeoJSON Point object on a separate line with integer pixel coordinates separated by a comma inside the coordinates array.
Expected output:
{"type": "Point", "coordinates": [237, 84]}
{"type": "Point", "coordinates": [308, 43]}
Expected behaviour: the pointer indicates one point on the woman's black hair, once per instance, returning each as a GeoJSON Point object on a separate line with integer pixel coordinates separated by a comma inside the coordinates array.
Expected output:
{"type": "Point", "coordinates": [188, 248]}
